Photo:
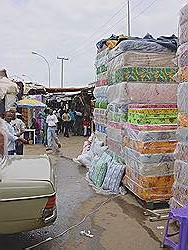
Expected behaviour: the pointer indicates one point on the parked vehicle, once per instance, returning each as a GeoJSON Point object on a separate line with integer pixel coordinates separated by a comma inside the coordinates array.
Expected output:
{"type": "Point", "coordinates": [27, 192]}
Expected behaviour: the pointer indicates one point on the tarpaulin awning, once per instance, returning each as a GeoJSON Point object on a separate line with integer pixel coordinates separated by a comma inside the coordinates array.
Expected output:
{"type": "Point", "coordinates": [30, 103]}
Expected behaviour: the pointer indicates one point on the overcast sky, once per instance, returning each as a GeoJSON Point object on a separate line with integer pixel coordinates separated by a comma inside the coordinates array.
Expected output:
{"type": "Point", "coordinates": [71, 28]}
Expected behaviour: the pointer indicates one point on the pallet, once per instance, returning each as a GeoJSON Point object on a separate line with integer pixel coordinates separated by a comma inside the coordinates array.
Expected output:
{"type": "Point", "coordinates": [156, 204]}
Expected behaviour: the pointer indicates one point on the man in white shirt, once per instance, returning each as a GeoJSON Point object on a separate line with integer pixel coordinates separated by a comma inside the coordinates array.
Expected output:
{"type": "Point", "coordinates": [12, 138]}
{"type": "Point", "coordinates": [19, 128]}
{"type": "Point", "coordinates": [52, 121]}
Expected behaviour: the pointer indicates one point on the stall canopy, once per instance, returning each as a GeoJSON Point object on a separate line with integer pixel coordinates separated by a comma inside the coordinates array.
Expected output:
{"type": "Point", "coordinates": [30, 103]}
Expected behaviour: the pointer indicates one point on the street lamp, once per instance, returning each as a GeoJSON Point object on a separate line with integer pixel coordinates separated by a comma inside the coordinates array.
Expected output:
{"type": "Point", "coordinates": [62, 59]}
{"type": "Point", "coordinates": [35, 53]}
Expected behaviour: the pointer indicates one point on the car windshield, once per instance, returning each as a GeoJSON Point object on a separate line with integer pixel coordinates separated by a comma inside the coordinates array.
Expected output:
{"type": "Point", "coordinates": [3, 142]}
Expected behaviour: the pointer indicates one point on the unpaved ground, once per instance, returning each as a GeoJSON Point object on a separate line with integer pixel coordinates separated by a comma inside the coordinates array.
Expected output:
{"type": "Point", "coordinates": [119, 224]}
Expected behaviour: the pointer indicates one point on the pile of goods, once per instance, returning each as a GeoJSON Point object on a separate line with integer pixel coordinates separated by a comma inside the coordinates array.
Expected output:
{"type": "Point", "coordinates": [100, 94]}
{"type": "Point", "coordinates": [180, 187]}
{"type": "Point", "coordinates": [140, 119]}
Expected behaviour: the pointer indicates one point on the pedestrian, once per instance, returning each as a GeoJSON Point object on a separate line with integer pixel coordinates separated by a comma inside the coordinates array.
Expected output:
{"type": "Point", "coordinates": [11, 137]}
{"type": "Point", "coordinates": [52, 121]}
{"type": "Point", "coordinates": [78, 123]}
{"type": "Point", "coordinates": [43, 115]}
{"type": "Point", "coordinates": [35, 125]}
{"type": "Point", "coordinates": [19, 129]}
{"type": "Point", "coordinates": [71, 114]}
{"type": "Point", "coordinates": [87, 125]}
{"type": "Point", "coordinates": [66, 121]}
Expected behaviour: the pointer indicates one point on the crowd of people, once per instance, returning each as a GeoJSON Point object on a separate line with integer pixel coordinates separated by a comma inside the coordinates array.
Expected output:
{"type": "Point", "coordinates": [55, 122]}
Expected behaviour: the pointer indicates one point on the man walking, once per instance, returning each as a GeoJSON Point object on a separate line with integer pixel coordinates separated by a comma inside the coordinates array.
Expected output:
{"type": "Point", "coordinates": [66, 121]}
{"type": "Point", "coordinates": [52, 121]}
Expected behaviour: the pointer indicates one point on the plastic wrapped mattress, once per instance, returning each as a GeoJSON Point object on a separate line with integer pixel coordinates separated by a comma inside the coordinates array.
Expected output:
{"type": "Point", "coordinates": [182, 54]}
{"type": "Point", "coordinates": [151, 127]}
{"type": "Point", "coordinates": [182, 99]}
{"type": "Point", "coordinates": [142, 74]}
{"type": "Point", "coordinates": [150, 181]}
{"type": "Point", "coordinates": [146, 93]}
{"type": "Point", "coordinates": [137, 45]}
{"type": "Point", "coordinates": [148, 194]}
{"type": "Point", "coordinates": [182, 134]}
{"type": "Point", "coordinates": [149, 136]}
{"type": "Point", "coordinates": [149, 164]}
{"type": "Point", "coordinates": [181, 171]}
{"type": "Point", "coordinates": [150, 147]}
{"type": "Point", "coordinates": [140, 59]}
{"type": "Point", "coordinates": [181, 151]}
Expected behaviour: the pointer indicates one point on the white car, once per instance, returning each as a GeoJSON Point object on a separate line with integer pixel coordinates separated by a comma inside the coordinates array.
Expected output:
{"type": "Point", "coordinates": [27, 192]}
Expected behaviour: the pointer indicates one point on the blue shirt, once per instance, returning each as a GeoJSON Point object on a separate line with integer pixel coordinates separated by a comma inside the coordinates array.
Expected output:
{"type": "Point", "coordinates": [10, 136]}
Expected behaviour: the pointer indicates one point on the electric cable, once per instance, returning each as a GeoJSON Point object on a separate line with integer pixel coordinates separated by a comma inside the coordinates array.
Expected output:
{"type": "Point", "coordinates": [99, 28]}
{"type": "Point", "coordinates": [142, 12]}
{"type": "Point", "coordinates": [77, 54]}
{"type": "Point", "coordinates": [75, 225]}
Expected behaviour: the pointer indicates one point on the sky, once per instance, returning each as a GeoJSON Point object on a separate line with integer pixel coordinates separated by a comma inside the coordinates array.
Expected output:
{"type": "Point", "coordinates": [71, 29]}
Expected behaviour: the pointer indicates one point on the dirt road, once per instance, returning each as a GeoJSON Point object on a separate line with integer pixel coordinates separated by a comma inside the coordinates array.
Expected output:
{"type": "Point", "coordinates": [119, 224]}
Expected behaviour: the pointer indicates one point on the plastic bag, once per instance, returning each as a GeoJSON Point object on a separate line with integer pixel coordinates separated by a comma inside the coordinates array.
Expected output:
{"type": "Point", "coordinates": [113, 177]}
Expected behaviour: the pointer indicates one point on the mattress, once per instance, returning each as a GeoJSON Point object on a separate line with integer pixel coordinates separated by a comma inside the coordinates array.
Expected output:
{"type": "Point", "coordinates": [137, 119]}
{"type": "Point", "coordinates": [100, 92]}
{"type": "Point", "coordinates": [148, 93]}
{"type": "Point", "coordinates": [180, 193]}
{"type": "Point", "coordinates": [116, 134]}
{"type": "Point", "coordinates": [149, 181]}
{"type": "Point", "coordinates": [150, 147]}
{"type": "Point", "coordinates": [147, 158]}
{"type": "Point", "coordinates": [149, 136]}
{"type": "Point", "coordinates": [148, 194]}
{"type": "Point", "coordinates": [100, 116]}
{"type": "Point", "coordinates": [183, 15]}
{"type": "Point", "coordinates": [182, 54]}
{"type": "Point", "coordinates": [183, 32]}
{"type": "Point", "coordinates": [150, 169]}
{"type": "Point", "coordinates": [182, 74]}
{"type": "Point", "coordinates": [181, 152]}
{"type": "Point", "coordinates": [158, 115]}
{"type": "Point", "coordinates": [151, 127]}
{"type": "Point", "coordinates": [142, 74]}
{"type": "Point", "coordinates": [182, 97]}
{"type": "Point", "coordinates": [181, 171]}
{"type": "Point", "coordinates": [138, 59]}
{"type": "Point", "coordinates": [182, 134]}
{"type": "Point", "coordinates": [137, 45]}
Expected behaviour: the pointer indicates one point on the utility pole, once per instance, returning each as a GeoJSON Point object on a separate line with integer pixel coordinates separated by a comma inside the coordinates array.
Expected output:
{"type": "Point", "coordinates": [62, 68]}
{"type": "Point", "coordinates": [128, 17]}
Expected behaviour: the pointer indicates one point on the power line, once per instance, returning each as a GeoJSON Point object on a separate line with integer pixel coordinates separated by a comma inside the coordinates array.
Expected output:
{"type": "Point", "coordinates": [100, 27]}
{"type": "Point", "coordinates": [120, 20]}
{"type": "Point", "coordinates": [142, 12]}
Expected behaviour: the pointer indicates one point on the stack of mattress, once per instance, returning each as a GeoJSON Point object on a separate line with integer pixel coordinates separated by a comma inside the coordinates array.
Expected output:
{"type": "Point", "coordinates": [138, 72]}
{"type": "Point", "coordinates": [141, 116]}
{"type": "Point", "coordinates": [100, 94]}
{"type": "Point", "coordinates": [180, 187]}
{"type": "Point", "coordinates": [149, 144]}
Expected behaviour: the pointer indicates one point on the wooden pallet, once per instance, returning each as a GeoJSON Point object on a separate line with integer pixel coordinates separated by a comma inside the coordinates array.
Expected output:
{"type": "Point", "coordinates": [156, 204]}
